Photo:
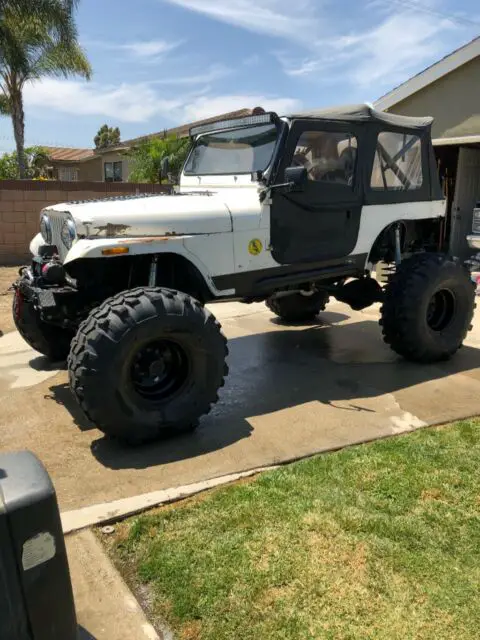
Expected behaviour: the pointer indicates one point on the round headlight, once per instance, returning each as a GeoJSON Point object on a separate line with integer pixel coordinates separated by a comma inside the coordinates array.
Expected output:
{"type": "Point", "coordinates": [46, 228]}
{"type": "Point", "coordinates": [68, 233]}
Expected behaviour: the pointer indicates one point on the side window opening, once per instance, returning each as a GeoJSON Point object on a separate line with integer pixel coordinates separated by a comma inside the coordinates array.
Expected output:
{"type": "Point", "coordinates": [328, 156]}
{"type": "Point", "coordinates": [398, 162]}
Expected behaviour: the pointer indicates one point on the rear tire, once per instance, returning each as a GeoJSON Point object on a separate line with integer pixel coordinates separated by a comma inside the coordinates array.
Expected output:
{"type": "Point", "coordinates": [147, 362]}
{"type": "Point", "coordinates": [49, 340]}
{"type": "Point", "coordinates": [298, 308]}
{"type": "Point", "coordinates": [428, 308]}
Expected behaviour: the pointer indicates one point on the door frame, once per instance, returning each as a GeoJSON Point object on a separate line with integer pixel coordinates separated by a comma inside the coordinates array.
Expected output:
{"type": "Point", "coordinates": [323, 194]}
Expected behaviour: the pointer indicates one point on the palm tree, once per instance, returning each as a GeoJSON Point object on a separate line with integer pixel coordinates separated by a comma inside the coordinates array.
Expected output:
{"type": "Point", "coordinates": [35, 44]}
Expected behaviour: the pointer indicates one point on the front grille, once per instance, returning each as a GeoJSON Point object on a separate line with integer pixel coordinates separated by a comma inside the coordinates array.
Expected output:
{"type": "Point", "coordinates": [57, 220]}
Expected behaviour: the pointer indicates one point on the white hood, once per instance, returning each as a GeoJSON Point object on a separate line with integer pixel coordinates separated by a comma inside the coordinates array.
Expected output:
{"type": "Point", "coordinates": [132, 216]}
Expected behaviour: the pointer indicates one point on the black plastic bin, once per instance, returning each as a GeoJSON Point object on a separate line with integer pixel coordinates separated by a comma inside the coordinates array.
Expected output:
{"type": "Point", "coordinates": [36, 599]}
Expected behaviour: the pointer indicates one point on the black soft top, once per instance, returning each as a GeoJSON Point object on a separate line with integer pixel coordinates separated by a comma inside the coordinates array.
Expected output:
{"type": "Point", "coordinates": [364, 113]}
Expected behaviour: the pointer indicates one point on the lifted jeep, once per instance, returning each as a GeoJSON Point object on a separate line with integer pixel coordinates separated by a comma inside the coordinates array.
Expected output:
{"type": "Point", "coordinates": [288, 210]}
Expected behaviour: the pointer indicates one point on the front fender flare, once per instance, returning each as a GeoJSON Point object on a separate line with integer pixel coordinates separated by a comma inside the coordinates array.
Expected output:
{"type": "Point", "coordinates": [148, 245]}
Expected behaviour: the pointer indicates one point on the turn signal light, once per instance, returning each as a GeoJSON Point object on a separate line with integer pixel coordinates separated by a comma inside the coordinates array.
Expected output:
{"type": "Point", "coordinates": [115, 251]}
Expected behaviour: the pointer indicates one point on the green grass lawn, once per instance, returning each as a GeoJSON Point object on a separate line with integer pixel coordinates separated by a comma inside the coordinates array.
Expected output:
{"type": "Point", "coordinates": [377, 541]}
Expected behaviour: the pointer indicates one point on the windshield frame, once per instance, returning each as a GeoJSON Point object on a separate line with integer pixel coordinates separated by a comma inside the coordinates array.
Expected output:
{"type": "Point", "coordinates": [277, 123]}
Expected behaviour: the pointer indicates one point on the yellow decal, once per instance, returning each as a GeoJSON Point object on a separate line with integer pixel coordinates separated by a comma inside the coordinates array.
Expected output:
{"type": "Point", "coordinates": [255, 247]}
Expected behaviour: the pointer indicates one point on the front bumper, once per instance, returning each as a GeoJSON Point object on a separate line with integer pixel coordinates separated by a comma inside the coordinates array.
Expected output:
{"type": "Point", "coordinates": [474, 241]}
{"type": "Point", "coordinates": [43, 299]}
{"type": "Point", "coordinates": [50, 300]}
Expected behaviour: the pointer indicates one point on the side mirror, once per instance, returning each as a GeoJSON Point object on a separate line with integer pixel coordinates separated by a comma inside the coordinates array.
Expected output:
{"type": "Point", "coordinates": [297, 176]}
{"type": "Point", "coordinates": [165, 166]}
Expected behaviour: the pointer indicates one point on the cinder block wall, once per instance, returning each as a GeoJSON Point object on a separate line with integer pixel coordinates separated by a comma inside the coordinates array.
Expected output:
{"type": "Point", "coordinates": [22, 200]}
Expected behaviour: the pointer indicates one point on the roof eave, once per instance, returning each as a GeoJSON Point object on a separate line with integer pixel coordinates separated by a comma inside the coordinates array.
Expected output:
{"type": "Point", "coordinates": [436, 71]}
{"type": "Point", "coordinates": [71, 160]}
{"type": "Point", "coordinates": [112, 149]}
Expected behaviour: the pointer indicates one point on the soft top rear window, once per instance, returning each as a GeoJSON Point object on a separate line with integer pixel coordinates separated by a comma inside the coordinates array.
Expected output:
{"type": "Point", "coordinates": [237, 151]}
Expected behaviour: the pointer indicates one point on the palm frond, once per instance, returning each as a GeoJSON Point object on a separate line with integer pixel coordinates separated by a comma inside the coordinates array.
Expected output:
{"type": "Point", "coordinates": [5, 105]}
{"type": "Point", "coordinates": [61, 60]}
{"type": "Point", "coordinates": [37, 38]}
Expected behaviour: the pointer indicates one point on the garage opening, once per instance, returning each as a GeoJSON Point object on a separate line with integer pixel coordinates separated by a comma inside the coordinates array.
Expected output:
{"type": "Point", "coordinates": [458, 164]}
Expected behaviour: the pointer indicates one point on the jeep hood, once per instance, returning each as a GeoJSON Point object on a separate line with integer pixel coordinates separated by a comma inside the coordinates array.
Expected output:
{"type": "Point", "coordinates": [180, 214]}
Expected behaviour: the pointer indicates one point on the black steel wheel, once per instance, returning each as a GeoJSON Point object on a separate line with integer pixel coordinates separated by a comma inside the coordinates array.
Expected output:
{"type": "Point", "coordinates": [159, 369]}
{"type": "Point", "coordinates": [428, 307]}
{"type": "Point", "coordinates": [297, 307]}
{"type": "Point", "coordinates": [146, 363]}
{"type": "Point", "coordinates": [441, 309]}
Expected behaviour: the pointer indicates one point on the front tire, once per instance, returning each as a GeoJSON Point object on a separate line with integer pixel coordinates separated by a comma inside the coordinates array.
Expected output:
{"type": "Point", "coordinates": [428, 308]}
{"type": "Point", "coordinates": [296, 307]}
{"type": "Point", "coordinates": [49, 340]}
{"type": "Point", "coordinates": [147, 362]}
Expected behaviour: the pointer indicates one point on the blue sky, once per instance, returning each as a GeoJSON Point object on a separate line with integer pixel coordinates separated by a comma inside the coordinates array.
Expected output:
{"type": "Point", "coordinates": [158, 63]}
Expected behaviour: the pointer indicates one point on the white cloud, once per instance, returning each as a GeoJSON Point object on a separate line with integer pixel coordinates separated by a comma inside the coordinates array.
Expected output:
{"type": "Point", "coordinates": [149, 48]}
{"type": "Point", "coordinates": [274, 17]}
{"type": "Point", "coordinates": [139, 102]}
{"type": "Point", "coordinates": [399, 40]}
{"type": "Point", "coordinates": [386, 54]}
{"type": "Point", "coordinates": [395, 47]}
{"type": "Point", "coordinates": [213, 73]}
{"type": "Point", "coordinates": [145, 51]}
{"type": "Point", "coordinates": [205, 106]}
{"type": "Point", "coordinates": [126, 102]}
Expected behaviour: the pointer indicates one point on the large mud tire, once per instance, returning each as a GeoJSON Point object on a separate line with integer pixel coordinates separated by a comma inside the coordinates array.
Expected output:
{"type": "Point", "coordinates": [428, 308]}
{"type": "Point", "coordinates": [147, 363]}
{"type": "Point", "coordinates": [296, 307]}
{"type": "Point", "coordinates": [51, 341]}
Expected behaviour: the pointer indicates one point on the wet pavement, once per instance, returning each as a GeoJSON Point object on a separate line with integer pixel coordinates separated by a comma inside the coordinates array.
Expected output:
{"type": "Point", "coordinates": [292, 391]}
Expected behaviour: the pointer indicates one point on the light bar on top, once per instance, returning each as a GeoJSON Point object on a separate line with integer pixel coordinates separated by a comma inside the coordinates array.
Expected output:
{"type": "Point", "coordinates": [222, 125]}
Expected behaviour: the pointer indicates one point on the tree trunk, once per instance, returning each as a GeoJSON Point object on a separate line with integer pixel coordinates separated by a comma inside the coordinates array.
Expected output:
{"type": "Point", "coordinates": [18, 121]}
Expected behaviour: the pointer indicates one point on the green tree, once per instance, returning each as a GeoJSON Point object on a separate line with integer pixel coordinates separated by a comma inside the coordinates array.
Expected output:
{"type": "Point", "coordinates": [146, 159]}
{"type": "Point", "coordinates": [106, 136]}
{"type": "Point", "coordinates": [35, 44]}
{"type": "Point", "coordinates": [36, 161]}
{"type": "Point", "coordinates": [9, 166]}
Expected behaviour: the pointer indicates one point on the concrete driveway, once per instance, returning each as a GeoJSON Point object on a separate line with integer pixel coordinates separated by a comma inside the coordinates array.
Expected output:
{"type": "Point", "coordinates": [292, 391]}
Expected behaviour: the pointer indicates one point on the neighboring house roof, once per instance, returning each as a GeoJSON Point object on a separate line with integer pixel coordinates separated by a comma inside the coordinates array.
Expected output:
{"type": "Point", "coordinates": [68, 154]}
{"type": "Point", "coordinates": [429, 75]}
{"type": "Point", "coordinates": [180, 132]}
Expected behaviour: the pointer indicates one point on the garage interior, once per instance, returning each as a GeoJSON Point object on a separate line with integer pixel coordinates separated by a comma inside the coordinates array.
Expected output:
{"type": "Point", "coordinates": [458, 162]}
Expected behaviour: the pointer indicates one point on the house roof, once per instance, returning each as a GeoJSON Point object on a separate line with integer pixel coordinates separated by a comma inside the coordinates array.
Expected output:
{"type": "Point", "coordinates": [365, 113]}
{"type": "Point", "coordinates": [449, 63]}
{"type": "Point", "coordinates": [180, 132]}
{"type": "Point", "coordinates": [68, 154]}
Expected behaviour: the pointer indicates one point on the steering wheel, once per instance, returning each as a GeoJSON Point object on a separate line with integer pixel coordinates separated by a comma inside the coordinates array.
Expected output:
{"type": "Point", "coordinates": [335, 175]}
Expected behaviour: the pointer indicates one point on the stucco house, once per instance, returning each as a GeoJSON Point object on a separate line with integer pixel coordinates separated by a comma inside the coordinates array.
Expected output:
{"type": "Point", "coordinates": [111, 164]}
{"type": "Point", "coordinates": [73, 165]}
{"type": "Point", "coordinates": [449, 90]}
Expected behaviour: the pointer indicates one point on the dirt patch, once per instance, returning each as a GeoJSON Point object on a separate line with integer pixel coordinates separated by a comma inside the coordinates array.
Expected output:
{"type": "Point", "coordinates": [192, 630]}
{"type": "Point", "coordinates": [7, 276]}
{"type": "Point", "coordinates": [431, 494]}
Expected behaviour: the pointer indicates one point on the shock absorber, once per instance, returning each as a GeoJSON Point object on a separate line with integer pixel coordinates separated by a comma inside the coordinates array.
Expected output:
{"type": "Point", "coordinates": [398, 245]}
{"type": "Point", "coordinates": [152, 279]}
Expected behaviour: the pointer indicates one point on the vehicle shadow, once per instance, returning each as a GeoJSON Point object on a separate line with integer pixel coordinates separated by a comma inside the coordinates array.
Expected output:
{"type": "Point", "coordinates": [42, 363]}
{"type": "Point", "coordinates": [61, 394]}
{"type": "Point", "coordinates": [332, 316]}
{"type": "Point", "coordinates": [338, 366]}
{"type": "Point", "coordinates": [83, 634]}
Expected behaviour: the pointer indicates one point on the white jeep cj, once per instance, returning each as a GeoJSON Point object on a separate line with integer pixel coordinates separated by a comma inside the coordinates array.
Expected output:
{"type": "Point", "coordinates": [288, 210]}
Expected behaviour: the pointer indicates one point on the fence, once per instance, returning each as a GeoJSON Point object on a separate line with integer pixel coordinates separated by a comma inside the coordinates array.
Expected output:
{"type": "Point", "coordinates": [22, 200]}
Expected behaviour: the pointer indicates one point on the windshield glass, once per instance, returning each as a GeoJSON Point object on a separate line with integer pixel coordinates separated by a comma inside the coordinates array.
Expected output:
{"type": "Point", "coordinates": [237, 151]}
